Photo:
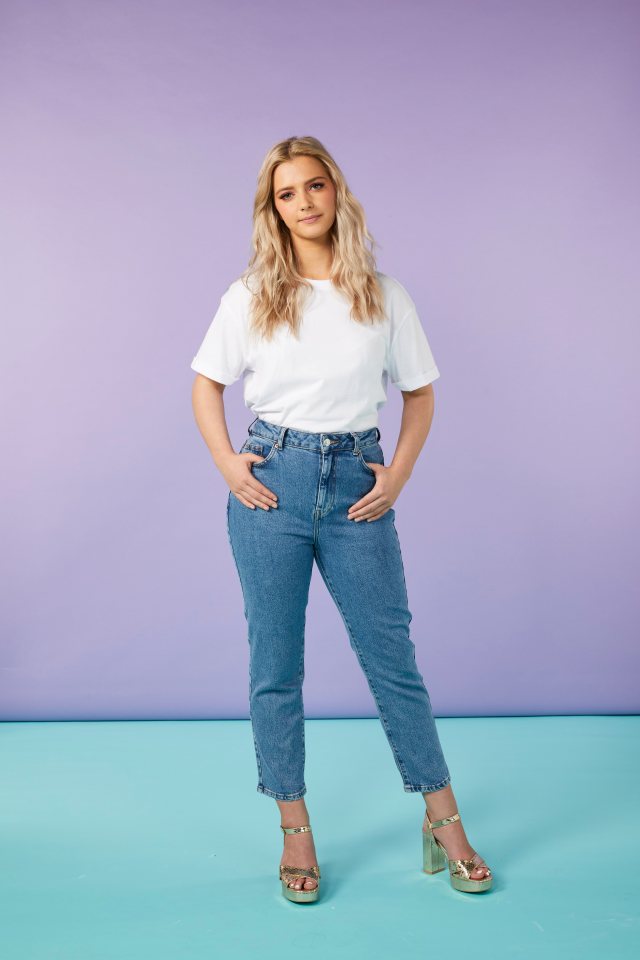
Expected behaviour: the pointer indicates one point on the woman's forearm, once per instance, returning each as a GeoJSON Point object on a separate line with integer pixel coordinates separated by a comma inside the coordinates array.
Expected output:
{"type": "Point", "coordinates": [208, 407]}
{"type": "Point", "coordinates": [417, 417]}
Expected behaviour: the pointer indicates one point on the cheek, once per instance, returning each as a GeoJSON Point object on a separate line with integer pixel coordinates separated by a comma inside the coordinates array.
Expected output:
{"type": "Point", "coordinates": [328, 200]}
{"type": "Point", "coordinates": [281, 211]}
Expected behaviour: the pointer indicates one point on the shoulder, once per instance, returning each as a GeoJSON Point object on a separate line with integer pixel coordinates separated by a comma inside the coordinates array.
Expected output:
{"type": "Point", "coordinates": [398, 301]}
{"type": "Point", "coordinates": [238, 295]}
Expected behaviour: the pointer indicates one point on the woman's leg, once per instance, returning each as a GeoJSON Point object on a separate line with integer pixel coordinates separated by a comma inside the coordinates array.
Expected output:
{"type": "Point", "coordinates": [273, 552]}
{"type": "Point", "coordinates": [361, 564]}
{"type": "Point", "coordinates": [274, 564]}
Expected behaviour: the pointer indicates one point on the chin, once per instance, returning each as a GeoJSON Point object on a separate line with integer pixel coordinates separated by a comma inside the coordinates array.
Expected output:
{"type": "Point", "coordinates": [315, 229]}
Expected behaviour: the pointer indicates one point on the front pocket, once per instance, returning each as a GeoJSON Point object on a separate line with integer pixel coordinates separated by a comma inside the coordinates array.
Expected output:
{"type": "Point", "coordinates": [374, 455]}
{"type": "Point", "coordinates": [263, 448]}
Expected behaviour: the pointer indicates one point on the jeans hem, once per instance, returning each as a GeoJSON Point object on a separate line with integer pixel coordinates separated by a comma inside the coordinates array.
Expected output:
{"type": "Point", "coordinates": [426, 787]}
{"type": "Point", "coordinates": [281, 796]}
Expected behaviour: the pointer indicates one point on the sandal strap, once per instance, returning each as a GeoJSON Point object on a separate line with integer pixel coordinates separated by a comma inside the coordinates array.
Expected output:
{"type": "Point", "coordinates": [464, 868]}
{"type": "Point", "coordinates": [441, 823]}
{"type": "Point", "coordinates": [287, 871]}
{"type": "Point", "coordinates": [304, 829]}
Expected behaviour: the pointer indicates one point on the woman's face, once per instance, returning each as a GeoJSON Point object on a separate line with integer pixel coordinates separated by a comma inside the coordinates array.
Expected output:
{"type": "Point", "coordinates": [302, 189]}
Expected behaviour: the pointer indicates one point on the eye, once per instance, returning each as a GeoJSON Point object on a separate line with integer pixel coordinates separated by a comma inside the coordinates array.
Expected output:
{"type": "Point", "coordinates": [318, 183]}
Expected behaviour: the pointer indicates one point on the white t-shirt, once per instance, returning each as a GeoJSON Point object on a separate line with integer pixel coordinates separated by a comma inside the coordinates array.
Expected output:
{"type": "Point", "coordinates": [334, 377]}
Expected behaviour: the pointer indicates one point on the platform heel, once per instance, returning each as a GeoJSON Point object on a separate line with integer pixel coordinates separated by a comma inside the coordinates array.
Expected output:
{"type": "Point", "coordinates": [287, 874]}
{"type": "Point", "coordinates": [434, 859]}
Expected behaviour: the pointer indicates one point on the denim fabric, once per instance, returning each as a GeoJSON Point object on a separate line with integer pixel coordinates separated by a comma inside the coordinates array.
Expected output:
{"type": "Point", "coordinates": [317, 477]}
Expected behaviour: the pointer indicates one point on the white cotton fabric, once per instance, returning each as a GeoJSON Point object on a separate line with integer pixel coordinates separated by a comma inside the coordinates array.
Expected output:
{"type": "Point", "coordinates": [334, 377]}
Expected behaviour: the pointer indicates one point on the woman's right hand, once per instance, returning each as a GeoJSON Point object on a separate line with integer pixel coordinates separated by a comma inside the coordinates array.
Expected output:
{"type": "Point", "coordinates": [242, 483]}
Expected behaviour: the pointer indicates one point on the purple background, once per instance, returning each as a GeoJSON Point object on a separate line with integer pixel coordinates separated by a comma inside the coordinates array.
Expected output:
{"type": "Point", "coordinates": [494, 146]}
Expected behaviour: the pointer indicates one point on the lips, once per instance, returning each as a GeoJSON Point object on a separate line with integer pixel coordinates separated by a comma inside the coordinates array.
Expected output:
{"type": "Point", "coordinates": [311, 219]}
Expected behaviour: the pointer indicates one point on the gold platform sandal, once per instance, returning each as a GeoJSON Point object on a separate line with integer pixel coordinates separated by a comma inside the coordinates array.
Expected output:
{"type": "Point", "coordinates": [434, 859]}
{"type": "Point", "coordinates": [287, 874]}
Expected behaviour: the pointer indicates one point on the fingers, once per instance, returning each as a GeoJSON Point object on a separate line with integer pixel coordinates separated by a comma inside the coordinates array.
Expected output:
{"type": "Point", "coordinates": [360, 506]}
{"type": "Point", "coordinates": [251, 492]}
{"type": "Point", "coordinates": [254, 494]}
{"type": "Point", "coordinates": [371, 507]}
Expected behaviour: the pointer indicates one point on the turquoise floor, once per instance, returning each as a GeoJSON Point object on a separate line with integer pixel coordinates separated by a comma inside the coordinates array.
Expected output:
{"type": "Point", "coordinates": [136, 840]}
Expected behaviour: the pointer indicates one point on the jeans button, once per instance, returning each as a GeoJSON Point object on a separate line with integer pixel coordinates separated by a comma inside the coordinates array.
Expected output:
{"type": "Point", "coordinates": [326, 441]}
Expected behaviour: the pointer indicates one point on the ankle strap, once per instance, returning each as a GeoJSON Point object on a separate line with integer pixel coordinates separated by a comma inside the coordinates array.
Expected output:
{"type": "Point", "coordinates": [441, 823]}
{"type": "Point", "coordinates": [305, 829]}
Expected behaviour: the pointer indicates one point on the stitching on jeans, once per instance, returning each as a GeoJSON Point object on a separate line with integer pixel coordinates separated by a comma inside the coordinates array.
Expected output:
{"type": "Point", "coordinates": [427, 787]}
{"type": "Point", "coordinates": [329, 583]}
{"type": "Point", "coordinates": [300, 446]}
{"type": "Point", "coordinates": [362, 461]}
{"type": "Point", "coordinates": [246, 612]}
{"type": "Point", "coordinates": [289, 444]}
{"type": "Point", "coordinates": [404, 580]}
{"type": "Point", "coordinates": [365, 465]}
{"type": "Point", "coordinates": [269, 456]}
{"type": "Point", "coordinates": [447, 779]}
{"type": "Point", "coordinates": [261, 787]}
{"type": "Point", "coordinates": [301, 680]}
{"type": "Point", "coordinates": [281, 796]}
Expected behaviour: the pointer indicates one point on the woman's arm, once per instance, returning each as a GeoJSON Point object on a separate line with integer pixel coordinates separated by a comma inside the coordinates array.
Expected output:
{"type": "Point", "coordinates": [417, 416]}
{"type": "Point", "coordinates": [416, 423]}
{"type": "Point", "coordinates": [208, 407]}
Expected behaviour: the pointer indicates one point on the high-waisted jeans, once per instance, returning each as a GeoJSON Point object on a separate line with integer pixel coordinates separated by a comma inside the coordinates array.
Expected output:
{"type": "Point", "coordinates": [317, 477]}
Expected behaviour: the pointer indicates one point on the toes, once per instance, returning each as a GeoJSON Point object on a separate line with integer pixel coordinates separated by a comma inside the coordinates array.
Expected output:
{"type": "Point", "coordinates": [306, 883]}
{"type": "Point", "coordinates": [481, 869]}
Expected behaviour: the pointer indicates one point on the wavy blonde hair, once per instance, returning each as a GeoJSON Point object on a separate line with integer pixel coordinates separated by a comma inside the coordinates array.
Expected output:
{"type": "Point", "coordinates": [279, 291]}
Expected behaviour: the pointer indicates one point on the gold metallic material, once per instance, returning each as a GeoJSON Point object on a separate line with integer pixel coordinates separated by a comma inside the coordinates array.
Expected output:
{"type": "Point", "coordinates": [434, 859]}
{"type": "Point", "coordinates": [290, 873]}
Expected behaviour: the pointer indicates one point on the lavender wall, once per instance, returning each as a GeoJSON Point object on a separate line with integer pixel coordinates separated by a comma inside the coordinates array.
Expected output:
{"type": "Point", "coordinates": [494, 146]}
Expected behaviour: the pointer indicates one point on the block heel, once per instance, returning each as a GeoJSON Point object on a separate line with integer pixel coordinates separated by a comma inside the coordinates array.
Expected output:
{"type": "Point", "coordinates": [435, 859]}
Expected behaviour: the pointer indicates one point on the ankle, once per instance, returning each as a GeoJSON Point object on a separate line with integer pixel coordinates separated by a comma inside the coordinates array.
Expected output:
{"type": "Point", "coordinates": [293, 813]}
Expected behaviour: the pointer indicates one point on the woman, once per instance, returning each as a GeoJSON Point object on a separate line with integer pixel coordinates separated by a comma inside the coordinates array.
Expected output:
{"type": "Point", "coordinates": [317, 331]}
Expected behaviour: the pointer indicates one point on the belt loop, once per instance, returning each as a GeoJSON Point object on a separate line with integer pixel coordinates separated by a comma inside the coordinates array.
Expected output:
{"type": "Point", "coordinates": [251, 424]}
{"type": "Point", "coordinates": [356, 448]}
{"type": "Point", "coordinates": [379, 434]}
{"type": "Point", "coordinates": [280, 440]}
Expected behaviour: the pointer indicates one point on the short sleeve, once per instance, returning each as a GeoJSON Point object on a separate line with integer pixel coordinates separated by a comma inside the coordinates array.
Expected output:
{"type": "Point", "coordinates": [411, 363]}
{"type": "Point", "coordinates": [222, 353]}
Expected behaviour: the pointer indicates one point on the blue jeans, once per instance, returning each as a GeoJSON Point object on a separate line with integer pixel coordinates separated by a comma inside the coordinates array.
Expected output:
{"type": "Point", "coordinates": [317, 477]}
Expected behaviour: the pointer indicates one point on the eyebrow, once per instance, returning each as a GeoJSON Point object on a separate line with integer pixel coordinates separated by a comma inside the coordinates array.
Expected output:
{"type": "Point", "coordinates": [310, 180]}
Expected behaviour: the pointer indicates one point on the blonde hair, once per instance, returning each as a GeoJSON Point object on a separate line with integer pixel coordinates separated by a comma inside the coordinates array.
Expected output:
{"type": "Point", "coordinates": [272, 276]}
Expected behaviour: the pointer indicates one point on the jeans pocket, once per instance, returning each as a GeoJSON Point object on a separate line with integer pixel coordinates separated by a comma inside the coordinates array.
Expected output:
{"type": "Point", "coordinates": [263, 448]}
{"type": "Point", "coordinates": [373, 454]}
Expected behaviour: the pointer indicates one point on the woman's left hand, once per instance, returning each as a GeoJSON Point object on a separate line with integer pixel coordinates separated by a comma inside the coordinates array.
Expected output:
{"type": "Point", "coordinates": [381, 498]}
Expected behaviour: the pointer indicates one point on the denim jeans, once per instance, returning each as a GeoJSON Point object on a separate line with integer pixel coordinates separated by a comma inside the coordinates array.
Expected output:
{"type": "Point", "coordinates": [317, 477]}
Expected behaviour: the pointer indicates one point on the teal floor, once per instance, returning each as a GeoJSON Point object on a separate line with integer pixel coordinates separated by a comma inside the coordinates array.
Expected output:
{"type": "Point", "coordinates": [142, 839]}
